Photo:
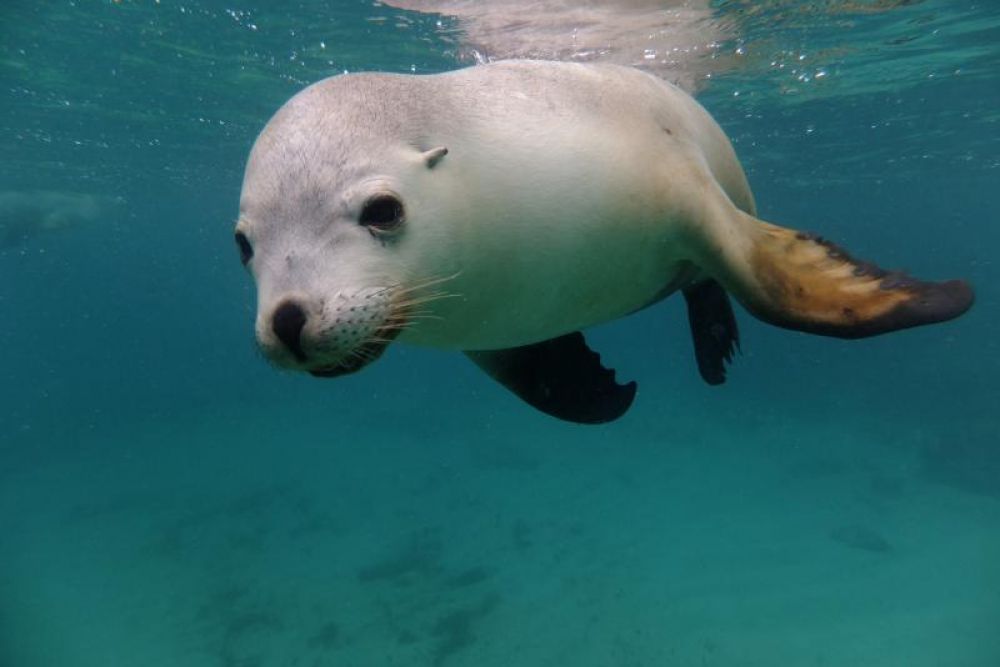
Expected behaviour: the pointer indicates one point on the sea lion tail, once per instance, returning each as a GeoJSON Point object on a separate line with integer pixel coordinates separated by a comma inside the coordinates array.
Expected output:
{"type": "Point", "coordinates": [801, 281]}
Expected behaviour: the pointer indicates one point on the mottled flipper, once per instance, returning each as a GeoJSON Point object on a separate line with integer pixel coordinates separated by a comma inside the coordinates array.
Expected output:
{"type": "Point", "coordinates": [803, 282]}
{"type": "Point", "coordinates": [562, 377]}
{"type": "Point", "coordinates": [713, 329]}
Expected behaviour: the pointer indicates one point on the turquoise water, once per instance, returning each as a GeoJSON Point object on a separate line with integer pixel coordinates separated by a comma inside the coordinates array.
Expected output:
{"type": "Point", "coordinates": [167, 498]}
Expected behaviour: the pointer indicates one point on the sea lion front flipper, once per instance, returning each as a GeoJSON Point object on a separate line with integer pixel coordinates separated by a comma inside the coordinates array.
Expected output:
{"type": "Point", "coordinates": [713, 329]}
{"type": "Point", "coordinates": [562, 377]}
{"type": "Point", "coordinates": [801, 281]}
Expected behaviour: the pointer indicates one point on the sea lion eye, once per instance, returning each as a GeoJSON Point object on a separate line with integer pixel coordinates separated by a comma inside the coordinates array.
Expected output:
{"type": "Point", "coordinates": [382, 213]}
{"type": "Point", "coordinates": [246, 250]}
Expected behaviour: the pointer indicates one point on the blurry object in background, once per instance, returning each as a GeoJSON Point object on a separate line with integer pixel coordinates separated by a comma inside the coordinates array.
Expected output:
{"type": "Point", "coordinates": [26, 214]}
{"type": "Point", "coordinates": [678, 40]}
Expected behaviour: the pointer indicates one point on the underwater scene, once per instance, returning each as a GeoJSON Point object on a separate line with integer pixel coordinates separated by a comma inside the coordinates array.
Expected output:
{"type": "Point", "coordinates": [174, 492]}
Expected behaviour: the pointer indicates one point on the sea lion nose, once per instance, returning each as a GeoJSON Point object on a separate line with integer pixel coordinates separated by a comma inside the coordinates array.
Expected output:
{"type": "Point", "coordinates": [287, 323]}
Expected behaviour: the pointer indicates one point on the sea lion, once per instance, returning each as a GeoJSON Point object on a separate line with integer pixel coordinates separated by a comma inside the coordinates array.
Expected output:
{"type": "Point", "coordinates": [501, 209]}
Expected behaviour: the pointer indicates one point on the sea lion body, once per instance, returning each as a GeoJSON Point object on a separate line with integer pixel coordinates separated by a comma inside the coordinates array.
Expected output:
{"type": "Point", "coordinates": [507, 206]}
{"type": "Point", "coordinates": [548, 227]}
{"type": "Point", "coordinates": [571, 242]}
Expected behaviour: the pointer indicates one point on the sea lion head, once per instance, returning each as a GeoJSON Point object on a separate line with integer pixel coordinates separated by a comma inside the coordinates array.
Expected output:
{"type": "Point", "coordinates": [332, 225]}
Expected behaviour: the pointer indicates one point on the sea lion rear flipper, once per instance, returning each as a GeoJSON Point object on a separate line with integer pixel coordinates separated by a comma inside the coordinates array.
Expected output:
{"type": "Point", "coordinates": [713, 329]}
{"type": "Point", "coordinates": [803, 282]}
{"type": "Point", "coordinates": [562, 377]}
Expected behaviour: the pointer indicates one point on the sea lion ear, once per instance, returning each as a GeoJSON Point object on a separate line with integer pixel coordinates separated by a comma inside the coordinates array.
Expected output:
{"type": "Point", "coordinates": [433, 156]}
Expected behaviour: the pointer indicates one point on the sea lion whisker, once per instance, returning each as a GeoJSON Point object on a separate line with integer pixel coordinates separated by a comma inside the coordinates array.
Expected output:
{"type": "Point", "coordinates": [394, 326]}
{"type": "Point", "coordinates": [379, 340]}
{"type": "Point", "coordinates": [361, 354]}
{"type": "Point", "coordinates": [421, 316]}
{"type": "Point", "coordinates": [403, 296]}
{"type": "Point", "coordinates": [416, 301]}
{"type": "Point", "coordinates": [398, 323]}
{"type": "Point", "coordinates": [426, 283]}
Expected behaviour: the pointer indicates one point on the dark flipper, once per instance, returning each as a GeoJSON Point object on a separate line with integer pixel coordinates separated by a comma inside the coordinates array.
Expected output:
{"type": "Point", "coordinates": [713, 329]}
{"type": "Point", "coordinates": [561, 377]}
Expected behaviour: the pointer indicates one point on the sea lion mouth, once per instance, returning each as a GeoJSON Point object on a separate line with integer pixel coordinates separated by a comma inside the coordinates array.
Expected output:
{"type": "Point", "coordinates": [360, 356]}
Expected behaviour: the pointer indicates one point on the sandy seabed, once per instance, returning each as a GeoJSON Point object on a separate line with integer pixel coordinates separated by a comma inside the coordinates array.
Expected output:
{"type": "Point", "coordinates": [498, 537]}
